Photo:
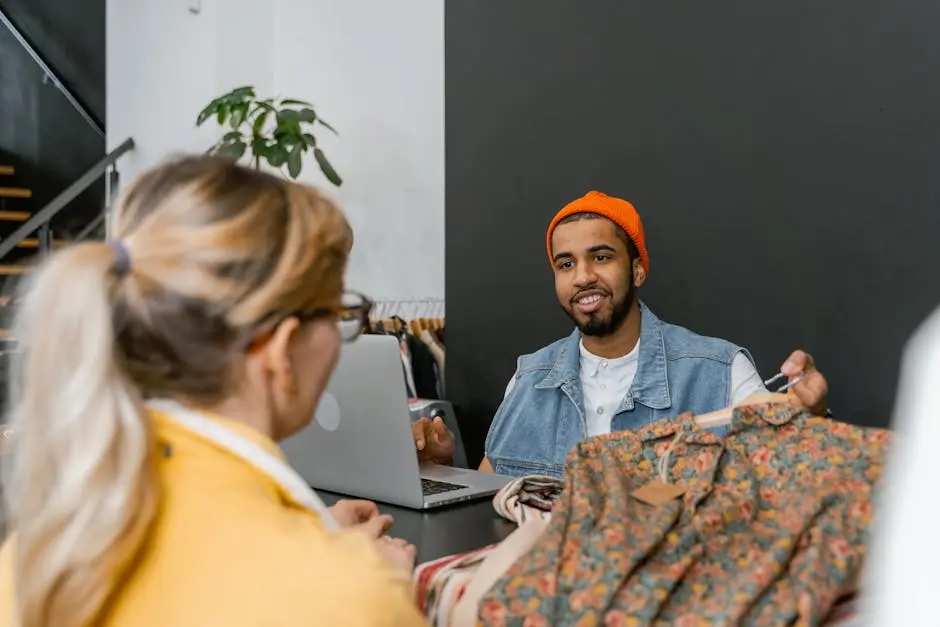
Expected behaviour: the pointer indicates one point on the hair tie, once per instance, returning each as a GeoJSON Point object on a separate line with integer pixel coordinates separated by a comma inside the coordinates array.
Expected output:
{"type": "Point", "coordinates": [122, 257]}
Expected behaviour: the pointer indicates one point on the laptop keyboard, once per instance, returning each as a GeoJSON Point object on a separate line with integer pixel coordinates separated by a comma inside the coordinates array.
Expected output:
{"type": "Point", "coordinates": [431, 487]}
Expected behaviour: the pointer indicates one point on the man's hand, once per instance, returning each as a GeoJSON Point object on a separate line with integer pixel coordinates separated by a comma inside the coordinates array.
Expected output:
{"type": "Point", "coordinates": [812, 391]}
{"type": "Point", "coordinates": [363, 514]}
{"type": "Point", "coordinates": [433, 441]}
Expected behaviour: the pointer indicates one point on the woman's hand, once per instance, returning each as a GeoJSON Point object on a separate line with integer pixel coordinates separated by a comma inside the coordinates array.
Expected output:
{"type": "Point", "coordinates": [364, 516]}
{"type": "Point", "coordinates": [397, 552]}
{"type": "Point", "coordinates": [361, 514]}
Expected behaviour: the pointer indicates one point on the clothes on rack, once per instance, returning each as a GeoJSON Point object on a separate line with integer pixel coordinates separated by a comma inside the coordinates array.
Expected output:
{"type": "Point", "coordinates": [430, 339]}
{"type": "Point", "coordinates": [771, 528]}
{"type": "Point", "coordinates": [422, 370]}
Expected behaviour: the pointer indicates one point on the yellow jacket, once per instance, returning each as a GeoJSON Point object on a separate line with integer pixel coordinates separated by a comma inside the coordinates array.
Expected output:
{"type": "Point", "coordinates": [230, 548]}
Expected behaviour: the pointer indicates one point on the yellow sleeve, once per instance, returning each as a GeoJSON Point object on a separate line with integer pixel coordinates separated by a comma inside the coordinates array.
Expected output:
{"type": "Point", "coordinates": [356, 586]}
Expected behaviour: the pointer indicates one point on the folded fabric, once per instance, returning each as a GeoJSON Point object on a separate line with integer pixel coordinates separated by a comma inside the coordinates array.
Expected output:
{"type": "Point", "coordinates": [527, 497]}
{"type": "Point", "coordinates": [771, 528]}
{"type": "Point", "coordinates": [439, 584]}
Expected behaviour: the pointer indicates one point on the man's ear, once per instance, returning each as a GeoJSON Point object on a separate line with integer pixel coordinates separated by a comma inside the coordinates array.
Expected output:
{"type": "Point", "coordinates": [277, 358]}
{"type": "Point", "coordinates": [639, 274]}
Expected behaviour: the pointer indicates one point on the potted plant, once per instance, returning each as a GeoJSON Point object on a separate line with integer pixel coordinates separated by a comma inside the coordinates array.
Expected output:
{"type": "Point", "coordinates": [276, 130]}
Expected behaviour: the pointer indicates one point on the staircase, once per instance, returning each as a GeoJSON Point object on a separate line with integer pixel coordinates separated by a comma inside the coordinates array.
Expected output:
{"type": "Point", "coordinates": [15, 208]}
{"type": "Point", "coordinates": [26, 234]}
{"type": "Point", "coordinates": [52, 59]}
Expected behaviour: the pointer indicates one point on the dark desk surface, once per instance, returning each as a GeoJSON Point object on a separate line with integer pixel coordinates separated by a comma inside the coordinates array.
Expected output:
{"type": "Point", "coordinates": [445, 531]}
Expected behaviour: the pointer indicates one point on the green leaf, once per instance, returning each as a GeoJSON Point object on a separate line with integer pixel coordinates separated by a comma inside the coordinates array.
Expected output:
{"type": "Point", "coordinates": [323, 122]}
{"type": "Point", "coordinates": [291, 102]}
{"type": "Point", "coordinates": [240, 94]}
{"type": "Point", "coordinates": [239, 113]}
{"type": "Point", "coordinates": [276, 155]}
{"type": "Point", "coordinates": [295, 161]}
{"type": "Point", "coordinates": [311, 140]}
{"type": "Point", "coordinates": [231, 137]}
{"type": "Point", "coordinates": [259, 146]}
{"type": "Point", "coordinates": [208, 111]}
{"type": "Point", "coordinates": [233, 149]}
{"type": "Point", "coordinates": [222, 113]}
{"type": "Point", "coordinates": [307, 115]}
{"type": "Point", "coordinates": [287, 115]}
{"type": "Point", "coordinates": [259, 122]}
{"type": "Point", "coordinates": [266, 104]}
{"type": "Point", "coordinates": [290, 140]}
{"type": "Point", "coordinates": [327, 168]}
{"type": "Point", "coordinates": [288, 126]}
{"type": "Point", "coordinates": [288, 134]}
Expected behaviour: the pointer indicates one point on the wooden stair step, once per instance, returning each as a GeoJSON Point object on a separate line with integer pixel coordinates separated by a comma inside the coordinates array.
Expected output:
{"type": "Point", "coordinates": [32, 242]}
{"type": "Point", "coordinates": [7, 170]}
{"type": "Point", "coordinates": [15, 216]}
{"type": "Point", "coordinates": [9, 270]}
{"type": "Point", "coordinates": [15, 192]}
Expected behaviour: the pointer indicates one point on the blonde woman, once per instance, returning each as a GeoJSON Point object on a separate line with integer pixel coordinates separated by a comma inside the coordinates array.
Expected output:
{"type": "Point", "coordinates": [158, 371]}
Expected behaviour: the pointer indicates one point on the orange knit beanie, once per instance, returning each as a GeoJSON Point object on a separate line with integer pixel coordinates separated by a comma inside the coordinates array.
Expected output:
{"type": "Point", "coordinates": [617, 210]}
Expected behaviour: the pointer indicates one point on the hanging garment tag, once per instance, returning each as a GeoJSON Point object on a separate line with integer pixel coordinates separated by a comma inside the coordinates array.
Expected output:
{"type": "Point", "coordinates": [657, 492]}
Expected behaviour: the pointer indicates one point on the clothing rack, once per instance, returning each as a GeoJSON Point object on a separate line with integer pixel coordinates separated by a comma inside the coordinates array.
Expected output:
{"type": "Point", "coordinates": [419, 325]}
{"type": "Point", "coordinates": [408, 308]}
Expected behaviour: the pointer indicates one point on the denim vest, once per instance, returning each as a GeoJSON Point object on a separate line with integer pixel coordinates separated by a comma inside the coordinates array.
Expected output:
{"type": "Point", "coordinates": [542, 418]}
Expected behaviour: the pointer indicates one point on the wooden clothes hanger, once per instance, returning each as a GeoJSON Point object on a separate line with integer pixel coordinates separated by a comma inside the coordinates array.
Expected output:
{"type": "Point", "coordinates": [722, 417]}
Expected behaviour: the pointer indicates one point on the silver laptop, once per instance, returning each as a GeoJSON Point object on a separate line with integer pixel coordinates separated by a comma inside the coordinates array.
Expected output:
{"type": "Point", "coordinates": [360, 441]}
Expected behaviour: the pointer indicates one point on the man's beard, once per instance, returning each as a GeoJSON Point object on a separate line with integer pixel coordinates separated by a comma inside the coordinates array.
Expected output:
{"type": "Point", "coordinates": [599, 325]}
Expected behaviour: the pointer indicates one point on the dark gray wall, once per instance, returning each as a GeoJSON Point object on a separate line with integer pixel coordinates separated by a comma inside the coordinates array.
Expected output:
{"type": "Point", "coordinates": [39, 130]}
{"type": "Point", "coordinates": [71, 36]}
{"type": "Point", "coordinates": [784, 157]}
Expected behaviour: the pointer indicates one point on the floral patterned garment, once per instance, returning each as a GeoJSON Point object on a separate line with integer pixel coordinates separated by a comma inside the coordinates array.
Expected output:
{"type": "Point", "coordinates": [771, 530]}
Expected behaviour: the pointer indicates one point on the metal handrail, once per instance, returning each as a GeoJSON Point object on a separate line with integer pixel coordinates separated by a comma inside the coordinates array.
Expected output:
{"type": "Point", "coordinates": [70, 193]}
{"type": "Point", "coordinates": [90, 228]}
{"type": "Point", "coordinates": [49, 73]}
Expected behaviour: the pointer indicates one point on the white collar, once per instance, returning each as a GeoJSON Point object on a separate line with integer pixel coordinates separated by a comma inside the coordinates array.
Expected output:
{"type": "Point", "coordinates": [591, 363]}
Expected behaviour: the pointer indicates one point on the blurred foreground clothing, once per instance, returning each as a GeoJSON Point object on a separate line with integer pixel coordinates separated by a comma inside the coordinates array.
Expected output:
{"type": "Point", "coordinates": [900, 585]}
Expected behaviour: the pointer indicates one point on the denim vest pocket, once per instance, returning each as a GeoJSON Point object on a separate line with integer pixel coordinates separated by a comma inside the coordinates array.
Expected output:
{"type": "Point", "coordinates": [518, 468]}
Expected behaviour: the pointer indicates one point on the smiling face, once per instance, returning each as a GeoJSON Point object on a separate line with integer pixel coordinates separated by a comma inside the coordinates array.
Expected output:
{"type": "Point", "coordinates": [596, 272]}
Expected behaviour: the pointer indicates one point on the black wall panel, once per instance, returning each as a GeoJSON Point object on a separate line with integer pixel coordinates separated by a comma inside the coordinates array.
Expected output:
{"type": "Point", "coordinates": [40, 132]}
{"type": "Point", "coordinates": [784, 157]}
{"type": "Point", "coordinates": [70, 35]}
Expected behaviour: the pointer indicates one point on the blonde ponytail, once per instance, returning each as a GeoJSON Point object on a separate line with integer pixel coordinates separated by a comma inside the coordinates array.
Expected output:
{"type": "Point", "coordinates": [215, 253]}
{"type": "Point", "coordinates": [80, 483]}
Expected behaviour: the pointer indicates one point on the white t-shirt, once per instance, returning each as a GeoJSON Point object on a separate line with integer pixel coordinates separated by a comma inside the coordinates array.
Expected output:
{"type": "Point", "coordinates": [604, 383]}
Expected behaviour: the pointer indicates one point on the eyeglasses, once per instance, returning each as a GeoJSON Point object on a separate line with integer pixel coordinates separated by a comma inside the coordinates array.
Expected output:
{"type": "Point", "coordinates": [352, 315]}
{"type": "Point", "coordinates": [352, 318]}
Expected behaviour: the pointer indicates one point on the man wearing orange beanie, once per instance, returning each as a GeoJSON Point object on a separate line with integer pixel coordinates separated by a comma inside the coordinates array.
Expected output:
{"type": "Point", "coordinates": [622, 368]}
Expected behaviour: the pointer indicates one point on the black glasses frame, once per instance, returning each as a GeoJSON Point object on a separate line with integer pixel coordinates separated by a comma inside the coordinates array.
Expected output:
{"type": "Point", "coordinates": [358, 313]}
